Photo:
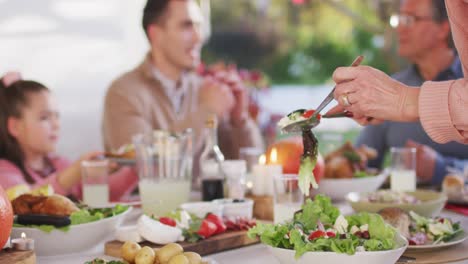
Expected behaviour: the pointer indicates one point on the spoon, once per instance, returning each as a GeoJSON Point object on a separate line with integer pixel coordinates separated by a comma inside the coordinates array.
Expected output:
{"type": "Point", "coordinates": [313, 120]}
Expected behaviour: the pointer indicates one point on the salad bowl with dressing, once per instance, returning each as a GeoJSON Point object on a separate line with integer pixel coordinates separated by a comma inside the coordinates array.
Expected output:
{"type": "Point", "coordinates": [319, 232]}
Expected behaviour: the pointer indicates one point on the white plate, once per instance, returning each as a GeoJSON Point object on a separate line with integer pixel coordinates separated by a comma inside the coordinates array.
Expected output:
{"type": "Point", "coordinates": [455, 241]}
{"type": "Point", "coordinates": [286, 256]}
{"type": "Point", "coordinates": [79, 238]}
{"type": "Point", "coordinates": [337, 189]}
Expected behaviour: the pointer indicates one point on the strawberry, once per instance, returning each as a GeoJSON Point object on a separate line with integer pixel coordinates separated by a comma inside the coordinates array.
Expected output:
{"type": "Point", "coordinates": [167, 221]}
{"type": "Point", "coordinates": [206, 229]}
{"type": "Point", "coordinates": [317, 234]}
{"type": "Point", "coordinates": [220, 226]}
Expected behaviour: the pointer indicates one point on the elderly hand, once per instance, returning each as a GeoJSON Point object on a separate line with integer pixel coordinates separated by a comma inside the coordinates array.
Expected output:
{"type": "Point", "coordinates": [425, 160]}
{"type": "Point", "coordinates": [368, 92]}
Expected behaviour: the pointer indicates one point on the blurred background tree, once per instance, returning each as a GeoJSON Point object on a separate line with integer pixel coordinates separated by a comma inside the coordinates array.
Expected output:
{"type": "Point", "coordinates": [302, 41]}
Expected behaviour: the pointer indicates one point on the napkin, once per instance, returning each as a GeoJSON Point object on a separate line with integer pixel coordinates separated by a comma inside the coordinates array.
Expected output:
{"type": "Point", "coordinates": [461, 209]}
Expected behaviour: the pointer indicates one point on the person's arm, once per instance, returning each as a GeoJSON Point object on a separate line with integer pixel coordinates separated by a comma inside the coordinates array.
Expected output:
{"type": "Point", "coordinates": [374, 137]}
{"type": "Point", "coordinates": [443, 106]}
{"type": "Point", "coordinates": [123, 118]}
{"type": "Point", "coordinates": [12, 176]}
{"type": "Point", "coordinates": [442, 165]}
{"type": "Point", "coordinates": [232, 138]}
{"type": "Point", "coordinates": [122, 183]}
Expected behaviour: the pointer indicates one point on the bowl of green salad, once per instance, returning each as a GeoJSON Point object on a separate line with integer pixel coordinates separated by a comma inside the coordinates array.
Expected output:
{"type": "Point", "coordinates": [319, 233]}
{"type": "Point", "coordinates": [88, 228]}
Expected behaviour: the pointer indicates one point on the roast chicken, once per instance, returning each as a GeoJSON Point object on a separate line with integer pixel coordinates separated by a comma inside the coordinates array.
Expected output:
{"type": "Point", "coordinates": [347, 160]}
{"type": "Point", "coordinates": [57, 205]}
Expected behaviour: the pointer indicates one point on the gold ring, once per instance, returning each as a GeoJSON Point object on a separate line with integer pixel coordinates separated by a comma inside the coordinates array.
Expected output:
{"type": "Point", "coordinates": [345, 100]}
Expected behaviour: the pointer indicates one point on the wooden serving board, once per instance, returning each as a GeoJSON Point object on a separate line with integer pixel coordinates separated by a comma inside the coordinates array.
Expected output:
{"type": "Point", "coordinates": [17, 257]}
{"type": "Point", "coordinates": [441, 256]}
{"type": "Point", "coordinates": [215, 244]}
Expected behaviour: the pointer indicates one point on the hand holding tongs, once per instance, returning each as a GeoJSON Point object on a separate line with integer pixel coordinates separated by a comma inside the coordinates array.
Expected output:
{"type": "Point", "coordinates": [313, 121]}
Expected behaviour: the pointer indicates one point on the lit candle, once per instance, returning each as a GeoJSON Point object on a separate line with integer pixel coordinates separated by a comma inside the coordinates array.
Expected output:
{"type": "Point", "coordinates": [24, 243]}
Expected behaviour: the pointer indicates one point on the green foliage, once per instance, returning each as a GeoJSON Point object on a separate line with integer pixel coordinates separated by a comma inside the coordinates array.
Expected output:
{"type": "Point", "coordinates": [295, 44]}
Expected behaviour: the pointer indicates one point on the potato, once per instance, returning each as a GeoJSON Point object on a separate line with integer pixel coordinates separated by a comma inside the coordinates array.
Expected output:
{"type": "Point", "coordinates": [194, 258]}
{"type": "Point", "coordinates": [146, 255]}
{"type": "Point", "coordinates": [168, 251]}
{"type": "Point", "coordinates": [179, 259]}
{"type": "Point", "coordinates": [129, 250]}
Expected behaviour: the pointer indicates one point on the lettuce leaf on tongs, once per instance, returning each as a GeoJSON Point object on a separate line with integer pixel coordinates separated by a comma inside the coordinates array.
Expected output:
{"type": "Point", "coordinates": [308, 161]}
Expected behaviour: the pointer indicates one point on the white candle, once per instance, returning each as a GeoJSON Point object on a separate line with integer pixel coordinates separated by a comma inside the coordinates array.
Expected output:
{"type": "Point", "coordinates": [258, 172]}
{"type": "Point", "coordinates": [24, 243]}
{"type": "Point", "coordinates": [271, 170]}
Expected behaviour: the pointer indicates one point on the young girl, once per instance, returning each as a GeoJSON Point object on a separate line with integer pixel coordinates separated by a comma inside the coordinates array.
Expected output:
{"type": "Point", "coordinates": [29, 131]}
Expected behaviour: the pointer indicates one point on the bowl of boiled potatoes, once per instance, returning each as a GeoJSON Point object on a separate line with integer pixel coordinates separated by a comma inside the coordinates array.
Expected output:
{"type": "Point", "coordinates": [171, 253]}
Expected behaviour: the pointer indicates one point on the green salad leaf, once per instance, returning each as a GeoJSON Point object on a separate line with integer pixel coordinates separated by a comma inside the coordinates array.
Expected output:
{"type": "Point", "coordinates": [320, 209]}
{"type": "Point", "coordinates": [308, 161]}
{"type": "Point", "coordinates": [83, 216]}
{"type": "Point", "coordinates": [319, 216]}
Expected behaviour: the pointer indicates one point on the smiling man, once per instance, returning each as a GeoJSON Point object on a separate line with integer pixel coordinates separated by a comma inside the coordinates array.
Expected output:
{"type": "Point", "coordinates": [424, 39]}
{"type": "Point", "coordinates": [165, 93]}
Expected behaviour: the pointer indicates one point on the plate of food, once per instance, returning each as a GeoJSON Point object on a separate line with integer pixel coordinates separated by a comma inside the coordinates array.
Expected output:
{"type": "Point", "coordinates": [319, 231]}
{"type": "Point", "coordinates": [60, 227]}
{"type": "Point", "coordinates": [346, 171]}
{"type": "Point", "coordinates": [423, 233]}
{"type": "Point", "coordinates": [423, 202]}
{"type": "Point", "coordinates": [455, 188]}
{"type": "Point", "coordinates": [125, 155]}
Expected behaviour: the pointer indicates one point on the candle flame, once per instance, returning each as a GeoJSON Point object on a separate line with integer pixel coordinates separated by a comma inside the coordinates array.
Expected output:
{"type": "Point", "coordinates": [23, 235]}
{"type": "Point", "coordinates": [273, 156]}
{"type": "Point", "coordinates": [262, 160]}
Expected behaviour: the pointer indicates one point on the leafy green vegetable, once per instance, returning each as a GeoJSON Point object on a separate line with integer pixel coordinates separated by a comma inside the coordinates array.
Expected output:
{"type": "Point", "coordinates": [308, 161]}
{"type": "Point", "coordinates": [320, 209]}
{"type": "Point", "coordinates": [44, 228]}
{"type": "Point", "coordinates": [352, 156]}
{"type": "Point", "coordinates": [318, 214]}
{"type": "Point", "coordinates": [82, 216]}
{"type": "Point", "coordinates": [361, 174]}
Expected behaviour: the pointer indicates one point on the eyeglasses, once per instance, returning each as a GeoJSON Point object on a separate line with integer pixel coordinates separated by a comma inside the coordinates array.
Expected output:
{"type": "Point", "coordinates": [406, 20]}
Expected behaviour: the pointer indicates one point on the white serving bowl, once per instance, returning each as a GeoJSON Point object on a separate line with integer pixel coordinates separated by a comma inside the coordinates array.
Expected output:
{"type": "Point", "coordinates": [241, 209]}
{"type": "Point", "coordinates": [201, 209]}
{"type": "Point", "coordinates": [286, 256]}
{"type": "Point", "coordinates": [78, 238]}
{"type": "Point", "coordinates": [337, 189]}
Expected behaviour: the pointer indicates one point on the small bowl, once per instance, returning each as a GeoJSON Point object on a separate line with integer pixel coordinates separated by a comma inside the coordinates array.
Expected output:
{"type": "Point", "coordinates": [337, 189]}
{"type": "Point", "coordinates": [201, 209]}
{"type": "Point", "coordinates": [233, 209]}
{"type": "Point", "coordinates": [431, 203]}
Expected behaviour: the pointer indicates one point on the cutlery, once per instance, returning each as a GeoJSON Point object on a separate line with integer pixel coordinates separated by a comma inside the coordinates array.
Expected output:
{"type": "Point", "coordinates": [313, 121]}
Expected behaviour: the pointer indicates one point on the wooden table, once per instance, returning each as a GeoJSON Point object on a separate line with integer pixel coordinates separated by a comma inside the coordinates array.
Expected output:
{"type": "Point", "coordinates": [248, 255]}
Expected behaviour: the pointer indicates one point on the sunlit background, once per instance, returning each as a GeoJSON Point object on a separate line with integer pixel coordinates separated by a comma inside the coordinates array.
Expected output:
{"type": "Point", "coordinates": [77, 47]}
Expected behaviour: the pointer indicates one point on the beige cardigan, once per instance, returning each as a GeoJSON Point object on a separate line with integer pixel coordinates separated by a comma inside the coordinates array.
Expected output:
{"type": "Point", "coordinates": [136, 103]}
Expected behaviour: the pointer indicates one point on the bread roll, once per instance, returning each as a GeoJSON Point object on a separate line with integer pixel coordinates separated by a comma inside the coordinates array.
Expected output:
{"type": "Point", "coordinates": [454, 186]}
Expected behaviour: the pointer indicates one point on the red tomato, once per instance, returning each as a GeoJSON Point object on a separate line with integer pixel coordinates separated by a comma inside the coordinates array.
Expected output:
{"type": "Point", "coordinates": [317, 234]}
{"type": "Point", "coordinates": [167, 221]}
{"type": "Point", "coordinates": [206, 229]}
{"type": "Point", "coordinates": [309, 113]}
{"type": "Point", "coordinates": [331, 234]}
{"type": "Point", "coordinates": [220, 226]}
